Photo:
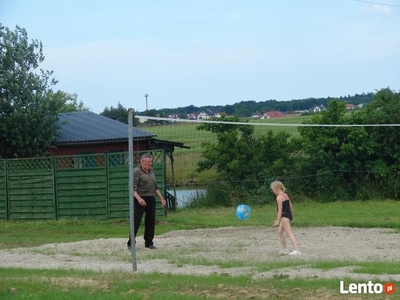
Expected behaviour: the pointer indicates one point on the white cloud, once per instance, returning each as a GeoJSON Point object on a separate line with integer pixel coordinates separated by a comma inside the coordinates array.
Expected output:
{"type": "Point", "coordinates": [376, 8]}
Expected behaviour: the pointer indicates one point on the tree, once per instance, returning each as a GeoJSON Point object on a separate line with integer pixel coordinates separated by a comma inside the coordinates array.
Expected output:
{"type": "Point", "coordinates": [350, 160]}
{"type": "Point", "coordinates": [28, 113]}
{"type": "Point", "coordinates": [68, 102]}
{"type": "Point", "coordinates": [384, 158]}
{"type": "Point", "coordinates": [228, 109]}
{"type": "Point", "coordinates": [119, 113]}
{"type": "Point", "coordinates": [244, 161]}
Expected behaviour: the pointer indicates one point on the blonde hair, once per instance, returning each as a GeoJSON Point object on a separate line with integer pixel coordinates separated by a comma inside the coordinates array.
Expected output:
{"type": "Point", "coordinates": [277, 185]}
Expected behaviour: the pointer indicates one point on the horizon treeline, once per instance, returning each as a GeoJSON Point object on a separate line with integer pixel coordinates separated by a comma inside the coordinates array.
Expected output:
{"type": "Point", "coordinates": [246, 108]}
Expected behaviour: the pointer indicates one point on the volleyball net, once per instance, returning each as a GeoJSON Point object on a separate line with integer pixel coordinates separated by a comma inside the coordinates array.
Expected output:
{"type": "Point", "coordinates": [236, 158]}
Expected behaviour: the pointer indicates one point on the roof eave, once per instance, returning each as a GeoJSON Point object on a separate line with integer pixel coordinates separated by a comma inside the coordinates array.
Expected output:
{"type": "Point", "coordinates": [108, 141]}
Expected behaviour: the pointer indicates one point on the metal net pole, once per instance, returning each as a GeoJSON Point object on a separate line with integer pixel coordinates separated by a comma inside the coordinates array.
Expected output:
{"type": "Point", "coordinates": [131, 190]}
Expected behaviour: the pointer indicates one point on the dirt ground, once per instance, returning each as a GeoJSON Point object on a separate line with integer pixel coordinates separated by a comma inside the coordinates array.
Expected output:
{"type": "Point", "coordinates": [188, 250]}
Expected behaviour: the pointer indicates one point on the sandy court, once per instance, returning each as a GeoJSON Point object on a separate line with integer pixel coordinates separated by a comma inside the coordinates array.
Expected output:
{"type": "Point", "coordinates": [194, 251]}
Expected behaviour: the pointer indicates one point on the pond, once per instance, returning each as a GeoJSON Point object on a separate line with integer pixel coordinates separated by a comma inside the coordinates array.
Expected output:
{"type": "Point", "coordinates": [184, 197]}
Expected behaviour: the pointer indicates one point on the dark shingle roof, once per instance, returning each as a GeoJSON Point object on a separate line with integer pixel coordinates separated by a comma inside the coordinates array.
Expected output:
{"type": "Point", "coordinates": [88, 127]}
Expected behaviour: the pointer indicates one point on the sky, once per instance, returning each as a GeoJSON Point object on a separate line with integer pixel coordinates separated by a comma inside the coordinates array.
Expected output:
{"type": "Point", "coordinates": [212, 52]}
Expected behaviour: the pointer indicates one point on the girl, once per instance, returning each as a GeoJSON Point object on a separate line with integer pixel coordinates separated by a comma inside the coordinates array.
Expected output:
{"type": "Point", "coordinates": [283, 218]}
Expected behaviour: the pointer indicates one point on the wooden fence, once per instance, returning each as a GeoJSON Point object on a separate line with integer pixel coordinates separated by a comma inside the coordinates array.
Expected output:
{"type": "Point", "coordinates": [93, 186]}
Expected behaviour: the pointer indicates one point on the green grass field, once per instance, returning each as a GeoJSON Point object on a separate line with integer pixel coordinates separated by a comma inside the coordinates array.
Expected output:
{"type": "Point", "coordinates": [72, 284]}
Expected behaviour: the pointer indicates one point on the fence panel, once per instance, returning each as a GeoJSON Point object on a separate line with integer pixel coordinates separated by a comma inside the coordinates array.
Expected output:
{"type": "Point", "coordinates": [31, 188]}
{"type": "Point", "coordinates": [118, 181]}
{"type": "Point", "coordinates": [81, 186]}
{"type": "Point", "coordinates": [118, 185]}
{"type": "Point", "coordinates": [3, 190]}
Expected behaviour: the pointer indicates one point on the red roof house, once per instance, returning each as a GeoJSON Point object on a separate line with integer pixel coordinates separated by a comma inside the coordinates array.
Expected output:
{"type": "Point", "coordinates": [272, 115]}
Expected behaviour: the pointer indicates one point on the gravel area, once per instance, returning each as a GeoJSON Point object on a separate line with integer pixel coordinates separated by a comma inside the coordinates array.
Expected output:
{"type": "Point", "coordinates": [199, 251]}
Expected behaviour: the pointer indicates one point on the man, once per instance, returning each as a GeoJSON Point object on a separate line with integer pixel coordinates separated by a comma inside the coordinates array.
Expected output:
{"type": "Point", "coordinates": [145, 190]}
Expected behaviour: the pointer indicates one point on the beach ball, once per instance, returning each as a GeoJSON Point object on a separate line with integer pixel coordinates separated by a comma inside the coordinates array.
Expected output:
{"type": "Point", "coordinates": [243, 212]}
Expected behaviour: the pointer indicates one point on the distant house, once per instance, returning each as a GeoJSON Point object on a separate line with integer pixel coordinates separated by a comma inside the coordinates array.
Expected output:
{"type": "Point", "coordinates": [256, 115]}
{"type": "Point", "coordinates": [350, 106]}
{"type": "Point", "coordinates": [203, 115]}
{"type": "Point", "coordinates": [218, 114]}
{"type": "Point", "coordinates": [317, 109]}
{"type": "Point", "coordinates": [191, 116]}
{"type": "Point", "coordinates": [207, 114]}
{"type": "Point", "coordinates": [272, 115]}
{"type": "Point", "coordinates": [173, 116]}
